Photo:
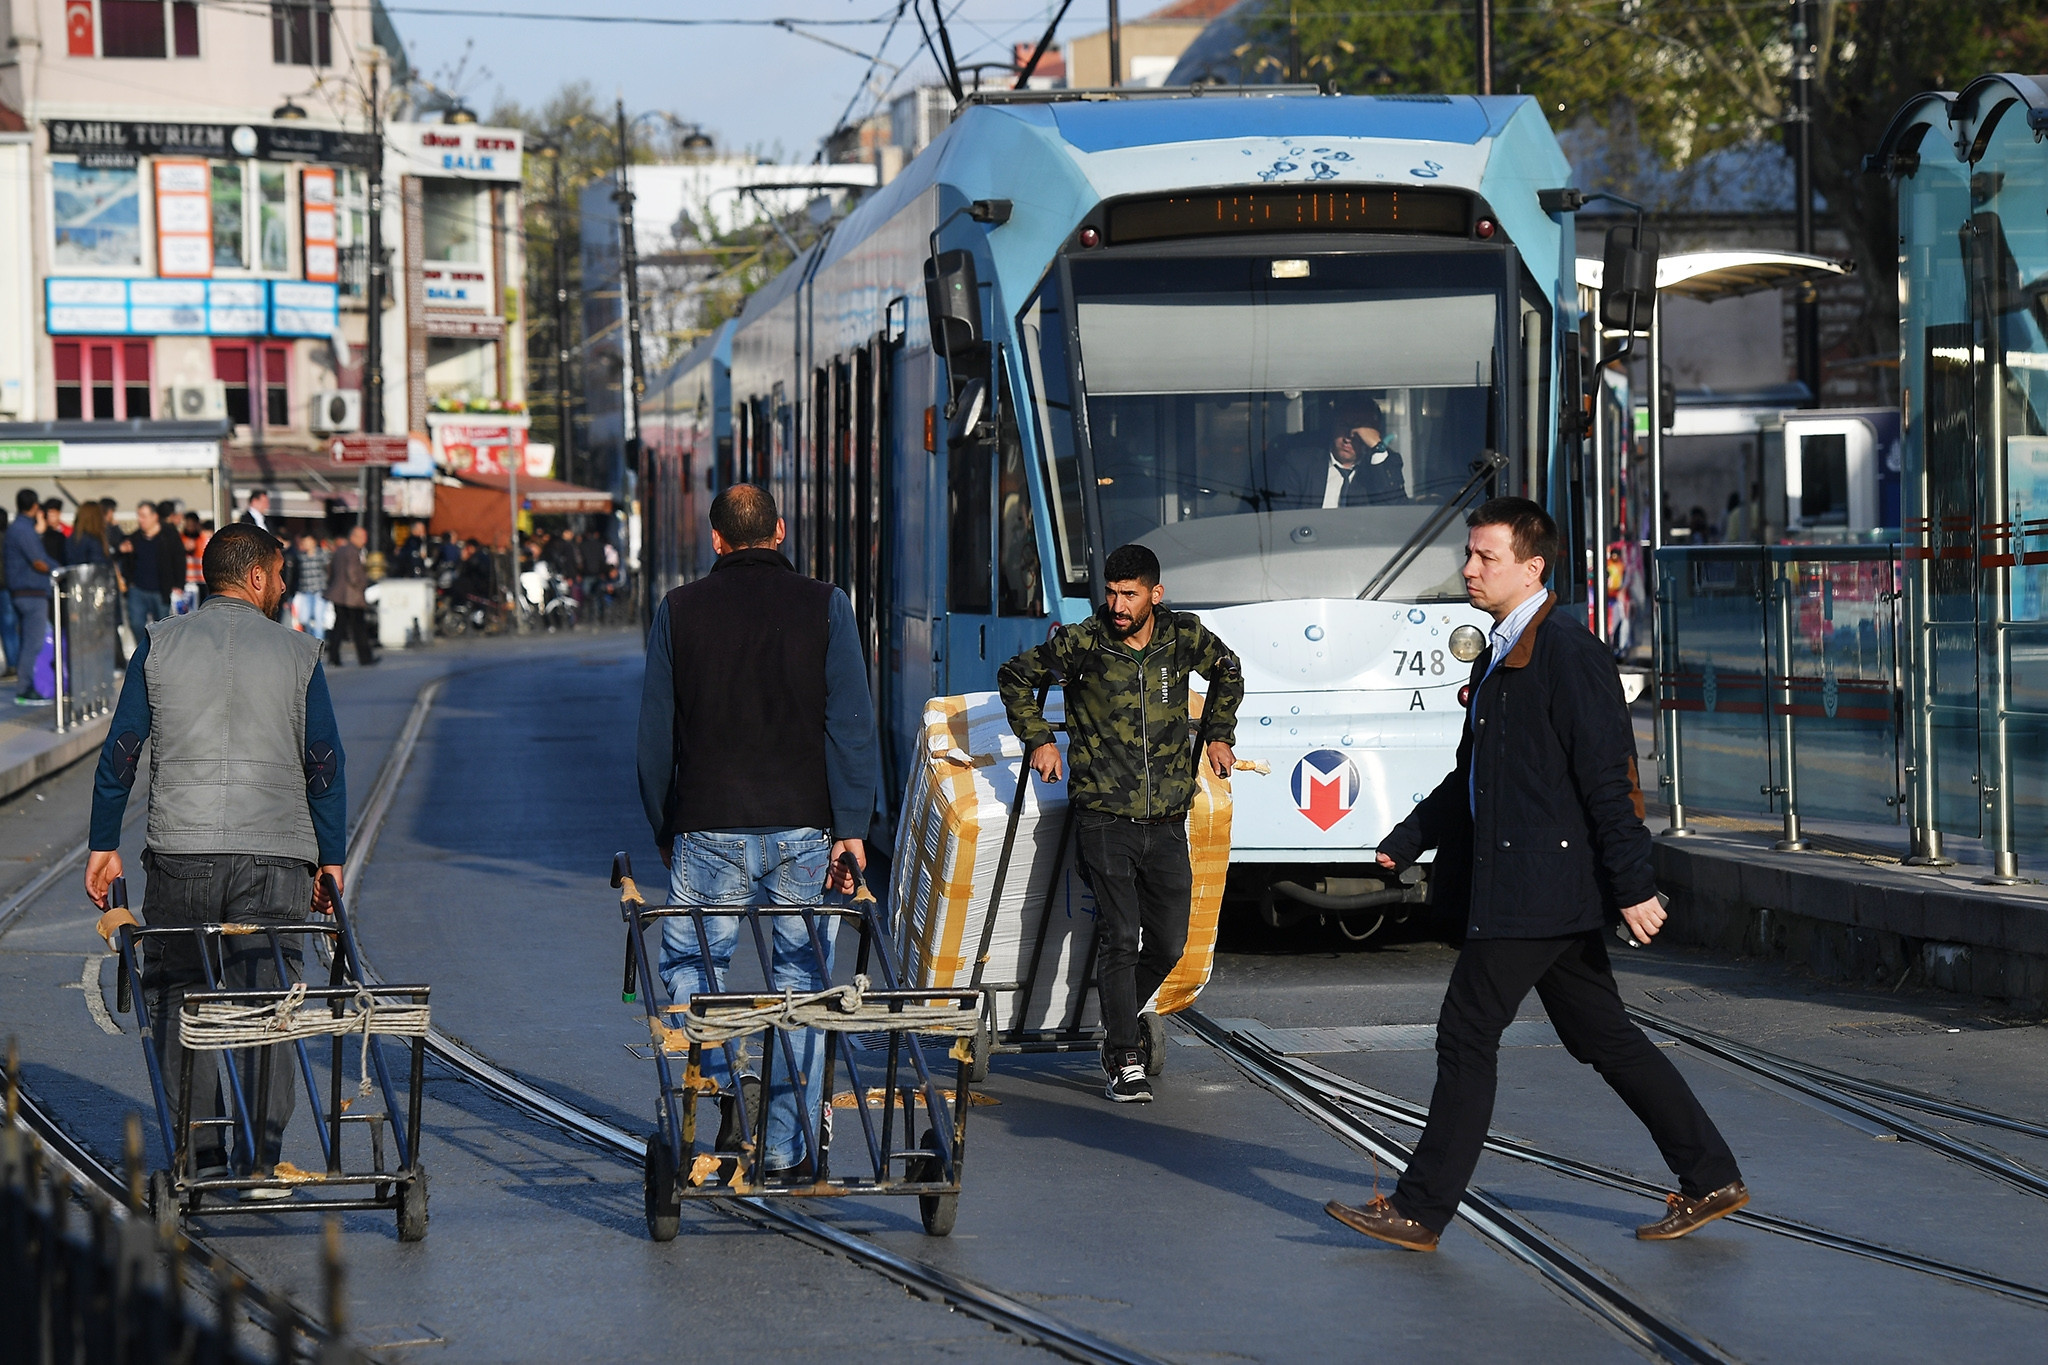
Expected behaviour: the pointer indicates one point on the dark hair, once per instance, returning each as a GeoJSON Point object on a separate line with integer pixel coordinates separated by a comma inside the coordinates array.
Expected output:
{"type": "Point", "coordinates": [1354, 410]}
{"type": "Point", "coordinates": [167, 510]}
{"type": "Point", "coordinates": [1127, 562]}
{"type": "Point", "coordinates": [25, 500]}
{"type": "Point", "coordinates": [743, 515]}
{"type": "Point", "coordinates": [1530, 529]}
{"type": "Point", "coordinates": [53, 504]}
{"type": "Point", "coordinates": [236, 549]}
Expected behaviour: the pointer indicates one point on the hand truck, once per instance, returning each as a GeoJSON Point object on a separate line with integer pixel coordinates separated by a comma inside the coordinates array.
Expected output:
{"type": "Point", "coordinates": [679, 1167]}
{"type": "Point", "coordinates": [215, 1020]}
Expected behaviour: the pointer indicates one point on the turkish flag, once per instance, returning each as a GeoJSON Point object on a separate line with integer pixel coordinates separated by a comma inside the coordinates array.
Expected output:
{"type": "Point", "coordinates": [78, 27]}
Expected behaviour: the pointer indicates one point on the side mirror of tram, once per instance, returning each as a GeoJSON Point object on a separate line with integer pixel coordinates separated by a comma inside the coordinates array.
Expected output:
{"type": "Point", "coordinates": [1628, 283]}
{"type": "Point", "coordinates": [952, 296]}
{"type": "Point", "coordinates": [970, 411]}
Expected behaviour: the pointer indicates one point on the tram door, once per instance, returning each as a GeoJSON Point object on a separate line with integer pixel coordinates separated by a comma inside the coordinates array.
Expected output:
{"type": "Point", "coordinates": [915, 595]}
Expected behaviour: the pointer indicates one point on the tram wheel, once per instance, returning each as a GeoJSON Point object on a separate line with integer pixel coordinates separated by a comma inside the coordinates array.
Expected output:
{"type": "Point", "coordinates": [983, 1045]}
{"type": "Point", "coordinates": [936, 1210]}
{"type": "Point", "coordinates": [412, 1205]}
{"type": "Point", "coordinates": [163, 1204]}
{"type": "Point", "coordinates": [658, 1189]}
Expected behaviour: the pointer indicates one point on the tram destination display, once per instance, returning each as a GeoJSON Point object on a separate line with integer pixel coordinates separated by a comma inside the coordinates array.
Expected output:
{"type": "Point", "coordinates": [1246, 212]}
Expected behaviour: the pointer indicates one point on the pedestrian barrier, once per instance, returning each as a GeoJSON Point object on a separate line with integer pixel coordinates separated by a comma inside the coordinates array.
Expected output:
{"type": "Point", "coordinates": [899, 1023]}
{"type": "Point", "coordinates": [87, 1279]}
{"type": "Point", "coordinates": [247, 1029]}
{"type": "Point", "coordinates": [1778, 683]}
{"type": "Point", "coordinates": [85, 621]}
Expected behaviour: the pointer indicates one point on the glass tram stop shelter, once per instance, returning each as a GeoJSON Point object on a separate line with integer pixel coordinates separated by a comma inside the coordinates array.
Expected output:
{"type": "Point", "coordinates": [1856, 677]}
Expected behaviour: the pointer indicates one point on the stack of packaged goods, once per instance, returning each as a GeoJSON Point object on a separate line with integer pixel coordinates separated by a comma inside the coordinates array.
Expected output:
{"type": "Point", "coordinates": [950, 839]}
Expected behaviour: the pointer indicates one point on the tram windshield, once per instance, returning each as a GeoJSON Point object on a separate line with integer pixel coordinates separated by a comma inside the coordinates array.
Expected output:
{"type": "Point", "coordinates": [1272, 427]}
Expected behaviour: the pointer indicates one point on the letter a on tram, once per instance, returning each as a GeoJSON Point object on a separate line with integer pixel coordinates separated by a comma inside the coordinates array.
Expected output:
{"type": "Point", "coordinates": [1325, 787]}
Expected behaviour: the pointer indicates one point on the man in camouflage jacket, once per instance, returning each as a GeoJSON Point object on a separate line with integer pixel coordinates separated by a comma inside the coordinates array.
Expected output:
{"type": "Point", "coordinates": [1125, 674]}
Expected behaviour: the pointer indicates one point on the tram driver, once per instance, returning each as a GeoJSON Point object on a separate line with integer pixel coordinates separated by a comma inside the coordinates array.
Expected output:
{"type": "Point", "coordinates": [1356, 469]}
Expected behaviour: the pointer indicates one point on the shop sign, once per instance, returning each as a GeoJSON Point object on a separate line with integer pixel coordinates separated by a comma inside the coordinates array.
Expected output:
{"type": "Point", "coordinates": [29, 455]}
{"type": "Point", "coordinates": [154, 307]}
{"type": "Point", "coordinates": [306, 309]}
{"type": "Point", "coordinates": [112, 142]}
{"type": "Point", "coordinates": [456, 287]}
{"type": "Point", "coordinates": [370, 449]}
{"type": "Point", "coordinates": [483, 444]}
{"type": "Point", "coordinates": [458, 151]}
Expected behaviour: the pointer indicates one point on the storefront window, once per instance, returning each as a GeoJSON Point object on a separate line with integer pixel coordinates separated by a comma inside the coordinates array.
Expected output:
{"type": "Point", "coordinates": [460, 370]}
{"type": "Point", "coordinates": [230, 235]}
{"type": "Point", "coordinates": [450, 210]}
{"type": "Point", "coordinates": [96, 215]}
{"type": "Point", "coordinates": [272, 233]}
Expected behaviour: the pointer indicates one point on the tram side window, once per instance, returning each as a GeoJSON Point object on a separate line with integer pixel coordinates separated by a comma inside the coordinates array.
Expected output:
{"type": "Point", "coordinates": [969, 572]}
{"type": "Point", "coordinates": [1043, 326]}
{"type": "Point", "coordinates": [1016, 526]}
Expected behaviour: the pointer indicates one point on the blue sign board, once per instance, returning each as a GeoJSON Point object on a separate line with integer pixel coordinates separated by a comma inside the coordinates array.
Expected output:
{"type": "Point", "coordinates": [240, 308]}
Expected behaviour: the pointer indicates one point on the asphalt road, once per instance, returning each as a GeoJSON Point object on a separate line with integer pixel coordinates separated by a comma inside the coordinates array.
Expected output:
{"type": "Point", "coordinates": [1188, 1230]}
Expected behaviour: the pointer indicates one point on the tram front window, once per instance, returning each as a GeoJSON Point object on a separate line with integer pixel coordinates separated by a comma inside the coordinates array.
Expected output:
{"type": "Point", "coordinates": [1280, 428]}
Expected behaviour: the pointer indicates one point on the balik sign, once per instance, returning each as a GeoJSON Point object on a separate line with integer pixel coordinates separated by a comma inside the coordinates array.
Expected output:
{"type": "Point", "coordinates": [1325, 787]}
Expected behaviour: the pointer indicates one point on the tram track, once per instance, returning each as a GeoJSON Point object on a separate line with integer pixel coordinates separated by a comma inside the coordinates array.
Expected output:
{"type": "Point", "coordinates": [924, 1280]}
{"type": "Point", "coordinates": [1577, 1280]}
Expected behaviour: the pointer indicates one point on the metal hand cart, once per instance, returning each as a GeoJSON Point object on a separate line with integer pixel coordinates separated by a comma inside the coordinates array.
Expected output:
{"type": "Point", "coordinates": [889, 1105]}
{"type": "Point", "coordinates": [346, 1011]}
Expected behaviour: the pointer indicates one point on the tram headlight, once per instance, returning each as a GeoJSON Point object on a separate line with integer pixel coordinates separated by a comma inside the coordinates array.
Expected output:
{"type": "Point", "coordinates": [1466, 643]}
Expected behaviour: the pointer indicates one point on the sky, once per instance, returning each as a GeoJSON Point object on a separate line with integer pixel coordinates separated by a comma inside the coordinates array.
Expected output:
{"type": "Point", "coordinates": [752, 87]}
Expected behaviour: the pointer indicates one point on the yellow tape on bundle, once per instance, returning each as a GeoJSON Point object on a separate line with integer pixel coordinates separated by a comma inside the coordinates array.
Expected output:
{"type": "Point", "coordinates": [1209, 859]}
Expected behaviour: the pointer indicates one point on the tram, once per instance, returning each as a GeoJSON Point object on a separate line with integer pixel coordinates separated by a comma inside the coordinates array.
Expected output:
{"type": "Point", "coordinates": [1080, 319]}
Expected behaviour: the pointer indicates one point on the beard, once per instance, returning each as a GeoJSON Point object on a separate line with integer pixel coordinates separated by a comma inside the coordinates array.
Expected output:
{"type": "Point", "coordinates": [1125, 631]}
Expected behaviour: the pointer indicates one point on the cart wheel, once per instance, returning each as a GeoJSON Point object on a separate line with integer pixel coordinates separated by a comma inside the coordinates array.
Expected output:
{"type": "Point", "coordinates": [983, 1046]}
{"type": "Point", "coordinates": [412, 1205]}
{"type": "Point", "coordinates": [163, 1204]}
{"type": "Point", "coordinates": [937, 1210]}
{"type": "Point", "coordinates": [1155, 1043]}
{"type": "Point", "coordinates": [658, 1186]}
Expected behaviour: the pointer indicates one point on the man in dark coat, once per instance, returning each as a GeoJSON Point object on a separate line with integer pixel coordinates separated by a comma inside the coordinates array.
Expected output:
{"type": "Point", "coordinates": [1357, 469]}
{"type": "Point", "coordinates": [1540, 846]}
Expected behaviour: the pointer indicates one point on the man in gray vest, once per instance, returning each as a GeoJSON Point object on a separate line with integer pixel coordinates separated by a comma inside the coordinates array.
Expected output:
{"type": "Point", "coordinates": [246, 804]}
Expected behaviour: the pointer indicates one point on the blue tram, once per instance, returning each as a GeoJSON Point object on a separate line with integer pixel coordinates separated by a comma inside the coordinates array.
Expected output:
{"type": "Point", "coordinates": [1085, 318]}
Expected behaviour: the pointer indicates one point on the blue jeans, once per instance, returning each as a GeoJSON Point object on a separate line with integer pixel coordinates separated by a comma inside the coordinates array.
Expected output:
{"type": "Point", "coordinates": [784, 867]}
{"type": "Point", "coordinates": [145, 606]}
{"type": "Point", "coordinates": [34, 615]}
{"type": "Point", "coordinates": [10, 628]}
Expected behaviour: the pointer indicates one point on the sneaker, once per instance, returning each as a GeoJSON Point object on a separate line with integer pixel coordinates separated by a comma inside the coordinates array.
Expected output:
{"type": "Point", "coordinates": [1128, 1085]}
{"type": "Point", "coordinates": [34, 701]}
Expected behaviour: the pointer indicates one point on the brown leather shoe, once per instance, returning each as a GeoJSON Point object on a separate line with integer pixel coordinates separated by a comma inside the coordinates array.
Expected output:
{"type": "Point", "coordinates": [1378, 1219]}
{"type": "Point", "coordinates": [1683, 1214]}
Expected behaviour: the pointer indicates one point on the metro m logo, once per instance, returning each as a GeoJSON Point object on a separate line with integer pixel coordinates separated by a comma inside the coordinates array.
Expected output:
{"type": "Point", "coordinates": [1325, 787]}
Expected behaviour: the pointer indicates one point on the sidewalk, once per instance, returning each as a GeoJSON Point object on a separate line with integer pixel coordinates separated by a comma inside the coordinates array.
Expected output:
{"type": "Point", "coordinates": [31, 748]}
{"type": "Point", "coordinates": [1848, 907]}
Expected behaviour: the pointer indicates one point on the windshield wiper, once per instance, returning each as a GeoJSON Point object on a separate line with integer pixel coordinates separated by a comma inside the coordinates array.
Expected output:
{"type": "Point", "coordinates": [1483, 468]}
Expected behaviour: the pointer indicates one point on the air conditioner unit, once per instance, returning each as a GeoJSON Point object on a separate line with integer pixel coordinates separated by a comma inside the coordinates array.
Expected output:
{"type": "Point", "coordinates": [207, 402]}
{"type": "Point", "coordinates": [337, 410]}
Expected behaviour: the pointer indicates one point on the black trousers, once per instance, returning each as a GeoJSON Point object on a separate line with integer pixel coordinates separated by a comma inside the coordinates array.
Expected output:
{"type": "Point", "coordinates": [354, 622]}
{"type": "Point", "coordinates": [1142, 880]}
{"type": "Point", "coordinates": [1574, 981]}
{"type": "Point", "coordinates": [186, 889]}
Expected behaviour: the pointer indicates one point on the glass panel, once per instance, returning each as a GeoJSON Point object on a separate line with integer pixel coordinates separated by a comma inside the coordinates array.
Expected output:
{"type": "Point", "coordinates": [231, 367]}
{"type": "Point", "coordinates": [1824, 476]}
{"type": "Point", "coordinates": [185, 27]}
{"type": "Point", "coordinates": [449, 227]}
{"type": "Point", "coordinates": [64, 357]}
{"type": "Point", "coordinates": [135, 379]}
{"type": "Point", "coordinates": [102, 383]}
{"type": "Point", "coordinates": [1843, 658]}
{"type": "Point", "coordinates": [272, 233]}
{"type": "Point", "coordinates": [229, 226]}
{"type": "Point", "coordinates": [131, 28]}
{"type": "Point", "coordinates": [1716, 685]}
{"type": "Point", "coordinates": [1044, 327]}
{"type": "Point", "coordinates": [1280, 429]}
{"type": "Point", "coordinates": [1016, 528]}
{"type": "Point", "coordinates": [968, 546]}
{"type": "Point", "coordinates": [96, 215]}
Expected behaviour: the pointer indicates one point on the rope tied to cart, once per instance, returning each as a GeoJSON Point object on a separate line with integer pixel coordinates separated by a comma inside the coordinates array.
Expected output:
{"type": "Point", "coordinates": [217, 1025]}
{"type": "Point", "coordinates": [837, 1009]}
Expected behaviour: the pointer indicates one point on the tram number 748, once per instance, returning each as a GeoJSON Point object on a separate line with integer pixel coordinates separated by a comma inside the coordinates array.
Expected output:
{"type": "Point", "coordinates": [1412, 661]}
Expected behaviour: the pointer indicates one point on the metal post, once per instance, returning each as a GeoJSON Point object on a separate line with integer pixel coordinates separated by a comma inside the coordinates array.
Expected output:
{"type": "Point", "coordinates": [1996, 588]}
{"type": "Point", "coordinates": [373, 301]}
{"type": "Point", "coordinates": [1926, 846]}
{"type": "Point", "coordinates": [629, 269]}
{"type": "Point", "coordinates": [1781, 705]}
{"type": "Point", "coordinates": [1116, 45]}
{"type": "Point", "coordinates": [1665, 662]}
{"type": "Point", "coordinates": [1808, 307]}
{"type": "Point", "coordinates": [1597, 524]}
{"type": "Point", "coordinates": [565, 426]}
{"type": "Point", "coordinates": [1657, 418]}
{"type": "Point", "coordinates": [56, 650]}
{"type": "Point", "coordinates": [1486, 47]}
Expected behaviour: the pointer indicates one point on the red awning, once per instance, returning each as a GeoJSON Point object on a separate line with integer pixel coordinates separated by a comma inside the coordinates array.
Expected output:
{"type": "Point", "coordinates": [543, 497]}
